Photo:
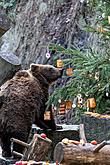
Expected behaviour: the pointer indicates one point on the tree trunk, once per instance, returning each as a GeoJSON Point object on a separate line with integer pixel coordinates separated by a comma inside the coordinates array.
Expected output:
{"type": "Point", "coordinates": [69, 154]}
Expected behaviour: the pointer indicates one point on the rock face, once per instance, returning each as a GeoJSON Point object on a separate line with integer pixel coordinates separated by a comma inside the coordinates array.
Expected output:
{"type": "Point", "coordinates": [96, 128]}
{"type": "Point", "coordinates": [9, 65]}
{"type": "Point", "coordinates": [4, 22]}
{"type": "Point", "coordinates": [39, 23]}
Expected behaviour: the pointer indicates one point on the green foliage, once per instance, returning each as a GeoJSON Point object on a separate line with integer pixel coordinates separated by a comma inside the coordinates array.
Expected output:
{"type": "Point", "coordinates": [93, 68]}
{"type": "Point", "coordinates": [93, 79]}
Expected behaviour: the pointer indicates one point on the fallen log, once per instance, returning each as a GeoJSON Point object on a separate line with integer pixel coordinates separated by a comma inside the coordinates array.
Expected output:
{"type": "Point", "coordinates": [68, 154]}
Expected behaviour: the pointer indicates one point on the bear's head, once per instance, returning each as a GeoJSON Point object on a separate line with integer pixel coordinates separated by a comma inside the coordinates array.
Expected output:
{"type": "Point", "coordinates": [49, 72]}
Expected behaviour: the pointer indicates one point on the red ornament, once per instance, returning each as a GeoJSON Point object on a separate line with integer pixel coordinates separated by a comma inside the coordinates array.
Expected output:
{"type": "Point", "coordinates": [43, 135]}
{"type": "Point", "coordinates": [94, 142]}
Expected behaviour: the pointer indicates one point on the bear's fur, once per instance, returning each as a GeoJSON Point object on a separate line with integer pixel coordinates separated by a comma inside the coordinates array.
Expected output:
{"type": "Point", "coordinates": [23, 102]}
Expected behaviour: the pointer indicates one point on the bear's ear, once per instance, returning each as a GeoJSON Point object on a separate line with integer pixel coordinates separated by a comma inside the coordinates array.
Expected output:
{"type": "Point", "coordinates": [34, 67]}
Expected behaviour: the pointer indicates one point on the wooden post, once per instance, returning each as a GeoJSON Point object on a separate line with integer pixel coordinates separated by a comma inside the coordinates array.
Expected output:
{"type": "Point", "coordinates": [82, 134]}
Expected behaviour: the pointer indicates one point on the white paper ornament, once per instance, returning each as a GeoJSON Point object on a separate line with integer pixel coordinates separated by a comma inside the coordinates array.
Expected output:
{"type": "Point", "coordinates": [48, 55]}
{"type": "Point", "coordinates": [55, 108]}
{"type": "Point", "coordinates": [73, 105]}
{"type": "Point", "coordinates": [59, 100]}
{"type": "Point", "coordinates": [103, 15]}
{"type": "Point", "coordinates": [107, 94]}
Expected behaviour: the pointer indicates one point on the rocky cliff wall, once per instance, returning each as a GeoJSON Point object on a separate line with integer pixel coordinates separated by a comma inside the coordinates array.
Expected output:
{"type": "Point", "coordinates": [39, 23]}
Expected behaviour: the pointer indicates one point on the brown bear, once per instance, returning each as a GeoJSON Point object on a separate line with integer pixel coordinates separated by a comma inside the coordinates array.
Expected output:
{"type": "Point", "coordinates": [23, 102]}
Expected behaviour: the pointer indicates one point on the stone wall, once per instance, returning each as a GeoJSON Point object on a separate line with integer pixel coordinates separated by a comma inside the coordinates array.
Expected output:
{"type": "Point", "coordinates": [96, 128]}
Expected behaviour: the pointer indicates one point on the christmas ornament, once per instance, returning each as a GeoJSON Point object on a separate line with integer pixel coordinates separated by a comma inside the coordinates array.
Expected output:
{"type": "Point", "coordinates": [69, 71]}
{"type": "Point", "coordinates": [48, 55]}
{"type": "Point", "coordinates": [107, 90]}
{"type": "Point", "coordinates": [73, 105]}
{"type": "Point", "coordinates": [55, 108]}
{"type": "Point", "coordinates": [74, 102]}
{"type": "Point", "coordinates": [59, 100]}
{"type": "Point", "coordinates": [47, 115]}
{"type": "Point", "coordinates": [97, 76]}
{"type": "Point", "coordinates": [59, 63]}
{"type": "Point", "coordinates": [103, 15]}
{"type": "Point", "coordinates": [68, 104]}
{"type": "Point", "coordinates": [107, 94]}
{"type": "Point", "coordinates": [91, 103]}
{"type": "Point", "coordinates": [80, 100]}
{"type": "Point", "coordinates": [62, 109]}
{"type": "Point", "coordinates": [109, 19]}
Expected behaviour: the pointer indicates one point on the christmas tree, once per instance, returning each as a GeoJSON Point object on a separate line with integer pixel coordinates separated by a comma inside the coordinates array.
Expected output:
{"type": "Point", "coordinates": [91, 68]}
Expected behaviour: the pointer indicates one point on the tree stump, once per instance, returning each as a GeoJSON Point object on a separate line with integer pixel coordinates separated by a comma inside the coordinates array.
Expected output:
{"type": "Point", "coordinates": [36, 150]}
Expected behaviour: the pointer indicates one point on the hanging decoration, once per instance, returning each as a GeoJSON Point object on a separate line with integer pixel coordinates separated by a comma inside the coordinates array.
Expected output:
{"type": "Point", "coordinates": [59, 63]}
{"type": "Point", "coordinates": [47, 115]}
{"type": "Point", "coordinates": [74, 105]}
{"type": "Point", "coordinates": [97, 76]}
{"type": "Point", "coordinates": [109, 19]}
{"type": "Point", "coordinates": [69, 71]}
{"type": "Point", "coordinates": [107, 94]}
{"type": "Point", "coordinates": [79, 101]}
{"type": "Point", "coordinates": [62, 108]}
{"type": "Point", "coordinates": [107, 90]}
{"type": "Point", "coordinates": [48, 55]}
{"type": "Point", "coordinates": [68, 104]}
{"type": "Point", "coordinates": [59, 101]}
{"type": "Point", "coordinates": [91, 103]}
